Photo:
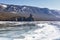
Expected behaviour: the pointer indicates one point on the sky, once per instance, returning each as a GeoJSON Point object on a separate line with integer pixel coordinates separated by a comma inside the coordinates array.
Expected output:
{"type": "Point", "coordinates": [51, 4]}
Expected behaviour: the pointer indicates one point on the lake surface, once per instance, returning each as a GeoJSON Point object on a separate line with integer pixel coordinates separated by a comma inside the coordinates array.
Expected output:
{"type": "Point", "coordinates": [37, 30]}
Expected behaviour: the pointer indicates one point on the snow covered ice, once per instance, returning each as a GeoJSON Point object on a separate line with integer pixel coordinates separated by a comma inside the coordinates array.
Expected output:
{"type": "Point", "coordinates": [39, 30]}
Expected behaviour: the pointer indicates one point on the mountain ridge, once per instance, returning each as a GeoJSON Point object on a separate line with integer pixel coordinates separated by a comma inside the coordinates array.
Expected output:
{"type": "Point", "coordinates": [37, 13]}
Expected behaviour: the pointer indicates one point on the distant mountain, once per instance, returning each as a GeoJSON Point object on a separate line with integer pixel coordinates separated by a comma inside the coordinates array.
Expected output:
{"type": "Point", "coordinates": [43, 14]}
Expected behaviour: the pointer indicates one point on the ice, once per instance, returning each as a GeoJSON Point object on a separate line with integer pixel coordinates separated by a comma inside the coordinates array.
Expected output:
{"type": "Point", "coordinates": [1, 38]}
{"type": "Point", "coordinates": [48, 32]}
{"type": "Point", "coordinates": [42, 30]}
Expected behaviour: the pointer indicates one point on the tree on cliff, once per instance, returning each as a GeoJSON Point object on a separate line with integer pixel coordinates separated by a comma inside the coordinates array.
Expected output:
{"type": "Point", "coordinates": [30, 18]}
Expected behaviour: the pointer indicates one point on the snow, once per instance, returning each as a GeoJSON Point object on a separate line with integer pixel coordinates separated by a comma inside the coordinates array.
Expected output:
{"type": "Point", "coordinates": [5, 6]}
{"type": "Point", "coordinates": [44, 31]}
{"type": "Point", "coordinates": [24, 8]}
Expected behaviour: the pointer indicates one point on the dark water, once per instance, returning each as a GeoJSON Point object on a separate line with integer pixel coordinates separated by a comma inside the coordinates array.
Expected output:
{"type": "Point", "coordinates": [41, 30]}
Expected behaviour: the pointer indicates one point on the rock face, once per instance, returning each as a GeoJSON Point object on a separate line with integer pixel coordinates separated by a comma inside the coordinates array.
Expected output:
{"type": "Point", "coordinates": [23, 13]}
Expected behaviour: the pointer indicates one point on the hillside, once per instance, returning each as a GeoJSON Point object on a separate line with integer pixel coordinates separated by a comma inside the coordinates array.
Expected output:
{"type": "Point", "coordinates": [27, 13]}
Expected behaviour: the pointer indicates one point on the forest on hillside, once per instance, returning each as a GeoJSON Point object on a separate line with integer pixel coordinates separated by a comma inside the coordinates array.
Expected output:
{"type": "Point", "coordinates": [30, 18]}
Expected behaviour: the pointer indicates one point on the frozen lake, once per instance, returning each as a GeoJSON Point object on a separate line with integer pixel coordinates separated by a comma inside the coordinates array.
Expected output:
{"type": "Point", "coordinates": [38, 30]}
